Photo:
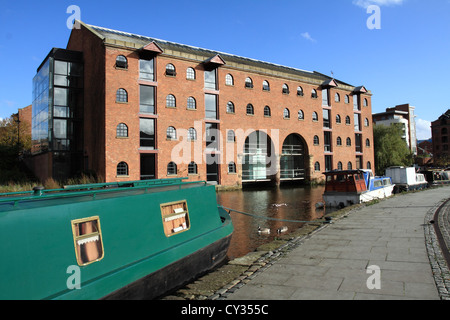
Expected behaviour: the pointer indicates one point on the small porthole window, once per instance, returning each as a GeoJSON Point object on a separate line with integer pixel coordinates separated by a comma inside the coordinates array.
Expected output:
{"type": "Point", "coordinates": [87, 237]}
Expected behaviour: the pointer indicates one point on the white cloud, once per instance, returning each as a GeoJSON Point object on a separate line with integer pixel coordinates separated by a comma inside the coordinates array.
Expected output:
{"type": "Point", "coordinates": [423, 129]}
{"type": "Point", "coordinates": [308, 37]}
{"type": "Point", "coordinates": [366, 3]}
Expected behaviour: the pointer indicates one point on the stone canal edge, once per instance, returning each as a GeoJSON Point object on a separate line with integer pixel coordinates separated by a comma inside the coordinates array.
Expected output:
{"type": "Point", "coordinates": [235, 274]}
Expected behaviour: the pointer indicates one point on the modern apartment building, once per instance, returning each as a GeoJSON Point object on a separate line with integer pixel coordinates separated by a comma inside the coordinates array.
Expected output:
{"type": "Point", "coordinates": [135, 107]}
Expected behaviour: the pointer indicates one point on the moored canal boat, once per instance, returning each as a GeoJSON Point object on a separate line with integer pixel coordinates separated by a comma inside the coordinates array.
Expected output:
{"type": "Point", "coordinates": [406, 179]}
{"type": "Point", "coordinates": [131, 240]}
{"type": "Point", "coordinates": [347, 187]}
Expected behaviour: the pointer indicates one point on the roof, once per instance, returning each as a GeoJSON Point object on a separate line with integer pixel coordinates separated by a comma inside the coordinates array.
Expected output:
{"type": "Point", "coordinates": [136, 42]}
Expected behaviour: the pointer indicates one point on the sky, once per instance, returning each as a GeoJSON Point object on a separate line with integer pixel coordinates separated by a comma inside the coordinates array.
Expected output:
{"type": "Point", "coordinates": [399, 50]}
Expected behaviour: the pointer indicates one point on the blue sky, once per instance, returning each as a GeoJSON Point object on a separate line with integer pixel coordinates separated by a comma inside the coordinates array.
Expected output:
{"type": "Point", "coordinates": [406, 61]}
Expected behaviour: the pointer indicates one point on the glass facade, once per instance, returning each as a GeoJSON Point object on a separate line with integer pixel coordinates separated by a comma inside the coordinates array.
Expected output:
{"type": "Point", "coordinates": [40, 109]}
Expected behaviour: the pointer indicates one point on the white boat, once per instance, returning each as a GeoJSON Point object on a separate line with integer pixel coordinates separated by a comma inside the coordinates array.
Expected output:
{"type": "Point", "coordinates": [348, 187]}
{"type": "Point", "coordinates": [406, 179]}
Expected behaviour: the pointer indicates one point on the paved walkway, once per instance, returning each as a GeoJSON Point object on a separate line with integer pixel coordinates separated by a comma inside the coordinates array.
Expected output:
{"type": "Point", "coordinates": [333, 263]}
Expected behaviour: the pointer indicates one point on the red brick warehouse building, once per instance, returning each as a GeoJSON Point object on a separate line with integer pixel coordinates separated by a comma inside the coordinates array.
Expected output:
{"type": "Point", "coordinates": [149, 108]}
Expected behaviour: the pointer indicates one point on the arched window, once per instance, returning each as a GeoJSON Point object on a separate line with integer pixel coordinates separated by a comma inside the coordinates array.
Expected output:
{"type": "Point", "coordinates": [192, 134]}
{"type": "Point", "coordinates": [349, 142]}
{"type": "Point", "coordinates": [300, 91]}
{"type": "Point", "coordinates": [250, 109]}
{"type": "Point", "coordinates": [192, 168]}
{"type": "Point", "coordinates": [232, 167]}
{"type": "Point", "coordinates": [317, 166]}
{"type": "Point", "coordinates": [339, 141]}
{"type": "Point", "coordinates": [171, 133]}
{"type": "Point", "coordinates": [171, 102]}
{"type": "Point", "coordinates": [230, 107]}
{"type": "Point", "coordinates": [337, 97]}
{"type": "Point", "coordinates": [313, 94]}
{"type": "Point", "coordinates": [266, 86]}
{"type": "Point", "coordinates": [122, 130]}
{"type": "Point", "coordinates": [285, 89]}
{"type": "Point", "coordinates": [248, 83]}
{"type": "Point", "coordinates": [369, 165]}
{"type": "Point", "coordinates": [231, 137]}
{"type": "Point", "coordinates": [367, 143]}
{"type": "Point", "coordinates": [301, 115]}
{"type": "Point", "coordinates": [316, 140]}
{"type": "Point", "coordinates": [315, 117]}
{"type": "Point", "coordinates": [366, 103]}
{"type": "Point", "coordinates": [229, 81]}
{"type": "Point", "coordinates": [121, 62]}
{"type": "Point", "coordinates": [191, 104]}
{"type": "Point", "coordinates": [122, 169]}
{"type": "Point", "coordinates": [347, 99]}
{"type": "Point", "coordinates": [121, 95]}
{"type": "Point", "coordinates": [170, 70]}
{"type": "Point", "coordinates": [267, 112]}
{"type": "Point", "coordinates": [338, 119]}
{"type": "Point", "coordinates": [286, 114]}
{"type": "Point", "coordinates": [340, 165]}
{"type": "Point", "coordinates": [171, 168]}
{"type": "Point", "coordinates": [347, 120]}
{"type": "Point", "coordinates": [190, 74]}
{"type": "Point", "coordinates": [366, 122]}
{"type": "Point", "coordinates": [349, 166]}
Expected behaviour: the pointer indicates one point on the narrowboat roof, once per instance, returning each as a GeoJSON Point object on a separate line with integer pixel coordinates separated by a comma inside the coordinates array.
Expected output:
{"type": "Point", "coordinates": [355, 171]}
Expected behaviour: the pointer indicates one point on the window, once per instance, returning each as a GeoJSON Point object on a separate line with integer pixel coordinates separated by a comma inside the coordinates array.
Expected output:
{"type": "Point", "coordinates": [367, 143]}
{"type": "Point", "coordinates": [171, 133]}
{"type": "Point", "coordinates": [147, 69]}
{"type": "Point", "coordinates": [190, 74]}
{"type": "Point", "coordinates": [122, 131]}
{"type": "Point", "coordinates": [347, 120]}
{"type": "Point", "coordinates": [192, 134]}
{"type": "Point", "coordinates": [347, 99]}
{"type": "Point", "coordinates": [229, 81]}
{"type": "Point", "coordinates": [249, 83]}
{"type": "Point", "coordinates": [191, 103]}
{"type": "Point", "coordinates": [327, 141]}
{"type": "Point", "coordinates": [300, 91]}
{"type": "Point", "coordinates": [317, 166]}
{"type": "Point", "coordinates": [122, 169]}
{"type": "Point", "coordinates": [337, 97]}
{"type": "Point", "coordinates": [87, 238]}
{"type": "Point", "coordinates": [369, 165]}
{"type": "Point", "coordinates": [210, 79]}
{"type": "Point", "coordinates": [266, 86]}
{"type": "Point", "coordinates": [147, 133]}
{"type": "Point", "coordinates": [340, 165]}
{"type": "Point", "coordinates": [230, 107]}
{"type": "Point", "coordinates": [326, 118]}
{"type": "Point", "coordinates": [250, 109]}
{"type": "Point", "coordinates": [175, 217]}
{"type": "Point", "coordinates": [366, 122]}
{"type": "Point", "coordinates": [267, 112]}
{"type": "Point", "coordinates": [211, 106]}
{"type": "Point", "coordinates": [314, 94]}
{"type": "Point", "coordinates": [231, 137]}
{"type": "Point", "coordinates": [349, 166]}
{"type": "Point", "coordinates": [285, 89]}
{"type": "Point", "coordinates": [338, 119]}
{"type": "Point", "coordinates": [366, 103]}
{"type": "Point", "coordinates": [171, 168]}
{"type": "Point", "coordinates": [444, 131]}
{"type": "Point", "coordinates": [325, 97]}
{"type": "Point", "coordinates": [339, 141]}
{"type": "Point", "coordinates": [170, 70]}
{"type": "Point", "coordinates": [192, 168]}
{"type": "Point", "coordinates": [147, 99]}
{"type": "Point", "coordinates": [315, 116]}
{"type": "Point", "coordinates": [231, 167]}
{"type": "Point", "coordinates": [357, 123]}
{"type": "Point", "coordinates": [121, 62]}
{"type": "Point", "coordinates": [212, 136]}
{"type": "Point", "coordinates": [355, 102]}
{"type": "Point", "coordinates": [286, 114]}
{"type": "Point", "coordinates": [171, 102]}
{"type": "Point", "coordinates": [349, 142]}
{"type": "Point", "coordinates": [316, 140]}
{"type": "Point", "coordinates": [301, 115]}
{"type": "Point", "coordinates": [121, 95]}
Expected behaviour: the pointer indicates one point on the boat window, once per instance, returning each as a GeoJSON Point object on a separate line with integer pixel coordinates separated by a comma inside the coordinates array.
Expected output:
{"type": "Point", "coordinates": [330, 178]}
{"type": "Point", "coordinates": [378, 183]}
{"type": "Point", "coordinates": [175, 217]}
{"type": "Point", "coordinates": [88, 242]}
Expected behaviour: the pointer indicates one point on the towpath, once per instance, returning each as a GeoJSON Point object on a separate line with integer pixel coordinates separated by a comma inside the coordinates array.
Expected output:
{"type": "Point", "coordinates": [388, 250]}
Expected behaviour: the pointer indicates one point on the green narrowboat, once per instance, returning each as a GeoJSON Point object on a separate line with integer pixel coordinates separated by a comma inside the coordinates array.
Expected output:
{"type": "Point", "coordinates": [130, 240]}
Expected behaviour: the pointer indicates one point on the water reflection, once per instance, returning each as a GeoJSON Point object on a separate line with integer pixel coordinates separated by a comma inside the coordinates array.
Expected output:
{"type": "Point", "coordinates": [285, 202]}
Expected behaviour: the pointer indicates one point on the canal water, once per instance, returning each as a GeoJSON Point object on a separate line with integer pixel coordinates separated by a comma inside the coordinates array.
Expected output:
{"type": "Point", "coordinates": [288, 202]}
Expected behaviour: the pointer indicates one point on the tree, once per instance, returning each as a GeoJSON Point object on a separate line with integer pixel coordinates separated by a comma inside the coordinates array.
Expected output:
{"type": "Point", "coordinates": [390, 148]}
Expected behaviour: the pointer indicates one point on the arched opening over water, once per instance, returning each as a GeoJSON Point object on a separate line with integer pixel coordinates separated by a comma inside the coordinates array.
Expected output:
{"type": "Point", "coordinates": [258, 160]}
{"type": "Point", "coordinates": [294, 160]}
